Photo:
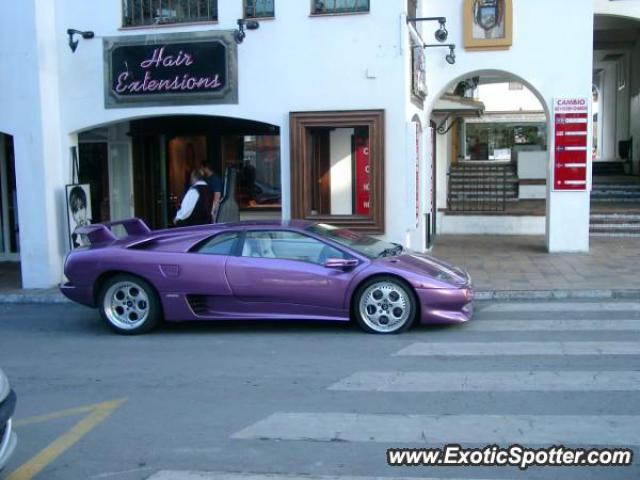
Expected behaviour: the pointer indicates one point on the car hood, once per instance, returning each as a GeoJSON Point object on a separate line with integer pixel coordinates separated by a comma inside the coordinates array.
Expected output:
{"type": "Point", "coordinates": [426, 265]}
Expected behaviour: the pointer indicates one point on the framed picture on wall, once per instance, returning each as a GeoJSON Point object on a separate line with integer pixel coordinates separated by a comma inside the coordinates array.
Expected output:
{"type": "Point", "coordinates": [78, 211]}
{"type": "Point", "coordinates": [488, 24]}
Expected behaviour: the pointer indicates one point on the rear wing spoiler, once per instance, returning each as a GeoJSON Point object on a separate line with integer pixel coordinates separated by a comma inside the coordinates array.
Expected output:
{"type": "Point", "coordinates": [101, 232]}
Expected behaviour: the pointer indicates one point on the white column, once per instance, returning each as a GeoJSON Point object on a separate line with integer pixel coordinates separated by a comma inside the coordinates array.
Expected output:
{"type": "Point", "coordinates": [568, 212]}
{"type": "Point", "coordinates": [42, 165]}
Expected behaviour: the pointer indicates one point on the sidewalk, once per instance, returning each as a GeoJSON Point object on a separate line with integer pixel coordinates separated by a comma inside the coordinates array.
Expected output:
{"type": "Point", "coordinates": [502, 267]}
{"type": "Point", "coordinates": [521, 266]}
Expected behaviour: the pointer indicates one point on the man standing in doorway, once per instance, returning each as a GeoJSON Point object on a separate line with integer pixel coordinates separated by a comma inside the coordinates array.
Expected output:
{"type": "Point", "coordinates": [195, 208]}
{"type": "Point", "coordinates": [215, 189]}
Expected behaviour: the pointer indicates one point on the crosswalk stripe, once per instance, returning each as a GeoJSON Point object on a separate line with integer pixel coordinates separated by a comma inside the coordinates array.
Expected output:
{"type": "Point", "coordinates": [187, 475]}
{"type": "Point", "coordinates": [520, 348]}
{"type": "Point", "coordinates": [442, 429]}
{"type": "Point", "coordinates": [565, 381]}
{"type": "Point", "coordinates": [562, 307]}
{"type": "Point", "coordinates": [551, 325]}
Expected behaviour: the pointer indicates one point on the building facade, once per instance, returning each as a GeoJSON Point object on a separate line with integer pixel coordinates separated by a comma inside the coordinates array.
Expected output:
{"type": "Point", "coordinates": [325, 111]}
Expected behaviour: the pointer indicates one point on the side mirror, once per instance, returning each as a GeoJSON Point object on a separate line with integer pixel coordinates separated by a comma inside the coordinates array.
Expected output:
{"type": "Point", "coordinates": [341, 263]}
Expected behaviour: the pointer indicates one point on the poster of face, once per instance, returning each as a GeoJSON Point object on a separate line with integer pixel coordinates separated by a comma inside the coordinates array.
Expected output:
{"type": "Point", "coordinates": [488, 23]}
{"type": "Point", "coordinates": [78, 211]}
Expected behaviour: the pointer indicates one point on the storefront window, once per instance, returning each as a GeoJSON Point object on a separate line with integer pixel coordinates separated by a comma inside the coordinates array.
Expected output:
{"type": "Point", "coordinates": [259, 9]}
{"type": "Point", "coordinates": [158, 12]}
{"type": "Point", "coordinates": [497, 141]}
{"type": "Point", "coordinates": [337, 168]}
{"type": "Point", "coordinates": [320, 7]}
{"type": "Point", "coordinates": [259, 173]}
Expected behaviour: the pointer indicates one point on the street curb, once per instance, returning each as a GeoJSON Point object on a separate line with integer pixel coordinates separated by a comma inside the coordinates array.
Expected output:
{"type": "Point", "coordinates": [53, 297]}
{"type": "Point", "coordinates": [50, 297]}
{"type": "Point", "coordinates": [507, 295]}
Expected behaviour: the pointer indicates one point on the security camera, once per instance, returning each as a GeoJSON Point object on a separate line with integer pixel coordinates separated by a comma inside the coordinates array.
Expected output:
{"type": "Point", "coordinates": [441, 34]}
{"type": "Point", "coordinates": [451, 58]}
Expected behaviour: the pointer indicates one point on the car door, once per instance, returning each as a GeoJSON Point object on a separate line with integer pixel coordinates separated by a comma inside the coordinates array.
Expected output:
{"type": "Point", "coordinates": [202, 277]}
{"type": "Point", "coordinates": [284, 271]}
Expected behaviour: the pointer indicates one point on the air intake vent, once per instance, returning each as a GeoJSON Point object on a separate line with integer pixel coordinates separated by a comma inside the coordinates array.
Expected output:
{"type": "Point", "coordinates": [198, 304]}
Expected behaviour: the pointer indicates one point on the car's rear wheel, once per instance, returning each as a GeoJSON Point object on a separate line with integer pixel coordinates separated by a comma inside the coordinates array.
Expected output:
{"type": "Point", "coordinates": [129, 305]}
{"type": "Point", "coordinates": [385, 305]}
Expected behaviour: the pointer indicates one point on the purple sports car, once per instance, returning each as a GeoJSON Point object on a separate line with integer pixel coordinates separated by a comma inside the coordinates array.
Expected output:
{"type": "Point", "coordinates": [260, 270]}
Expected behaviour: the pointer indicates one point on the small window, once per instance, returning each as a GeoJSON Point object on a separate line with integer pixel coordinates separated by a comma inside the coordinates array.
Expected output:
{"type": "Point", "coordinates": [324, 7]}
{"type": "Point", "coordinates": [221, 244]}
{"type": "Point", "coordinates": [337, 168]}
{"type": "Point", "coordinates": [159, 12]}
{"type": "Point", "coordinates": [259, 9]}
{"type": "Point", "coordinates": [289, 246]}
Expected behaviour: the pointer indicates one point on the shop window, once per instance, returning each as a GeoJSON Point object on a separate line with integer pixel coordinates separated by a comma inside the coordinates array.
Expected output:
{"type": "Point", "coordinates": [498, 141]}
{"type": "Point", "coordinates": [259, 173]}
{"type": "Point", "coordinates": [259, 9]}
{"type": "Point", "coordinates": [159, 12]}
{"type": "Point", "coordinates": [337, 168]}
{"type": "Point", "coordinates": [327, 7]}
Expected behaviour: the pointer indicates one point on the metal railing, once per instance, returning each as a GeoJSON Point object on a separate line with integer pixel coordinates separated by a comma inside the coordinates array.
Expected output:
{"type": "Point", "coordinates": [474, 188]}
{"type": "Point", "coordinates": [157, 12]}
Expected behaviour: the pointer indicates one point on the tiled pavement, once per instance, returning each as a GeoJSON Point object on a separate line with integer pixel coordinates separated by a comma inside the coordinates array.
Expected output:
{"type": "Point", "coordinates": [522, 263]}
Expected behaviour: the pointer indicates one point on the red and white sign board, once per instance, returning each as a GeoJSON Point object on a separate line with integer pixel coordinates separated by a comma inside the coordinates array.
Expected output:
{"type": "Point", "coordinates": [571, 143]}
{"type": "Point", "coordinates": [363, 176]}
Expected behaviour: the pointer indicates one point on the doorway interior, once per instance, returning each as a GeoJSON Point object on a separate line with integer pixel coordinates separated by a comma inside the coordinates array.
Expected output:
{"type": "Point", "coordinates": [142, 167]}
{"type": "Point", "coordinates": [9, 229]}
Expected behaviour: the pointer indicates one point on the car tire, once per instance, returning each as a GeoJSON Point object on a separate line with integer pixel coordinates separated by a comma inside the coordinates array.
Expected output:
{"type": "Point", "coordinates": [385, 305]}
{"type": "Point", "coordinates": [129, 305]}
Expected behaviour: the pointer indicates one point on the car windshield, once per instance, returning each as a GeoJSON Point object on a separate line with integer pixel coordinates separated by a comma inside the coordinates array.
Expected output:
{"type": "Point", "coordinates": [364, 244]}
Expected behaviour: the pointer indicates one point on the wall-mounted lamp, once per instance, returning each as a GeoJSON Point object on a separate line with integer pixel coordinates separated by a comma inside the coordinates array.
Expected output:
{"type": "Point", "coordinates": [441, 34]}
{"type": "Point", "coordinates": [242, 23]}
{"type": "Point", "coordinates": [73, 44]}
{"type": "Point", "coordinates": [451, 58]}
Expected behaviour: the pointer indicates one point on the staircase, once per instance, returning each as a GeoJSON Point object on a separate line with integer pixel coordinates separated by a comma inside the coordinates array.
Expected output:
{"type": "Point", "coordinates": [614, 191]}
{"type": "Point", "coordinates": [615, 225]}
{"type": "Point", "coordinates": [615, 206]}
{"type": "Point", "coordinates": [481, 188]}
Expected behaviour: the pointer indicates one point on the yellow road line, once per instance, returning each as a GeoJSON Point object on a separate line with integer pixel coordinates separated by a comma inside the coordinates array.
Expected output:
{"type": "Point", "coordinates": [55, 415]}
{"type": "Point", "coordinates": [40, 461]}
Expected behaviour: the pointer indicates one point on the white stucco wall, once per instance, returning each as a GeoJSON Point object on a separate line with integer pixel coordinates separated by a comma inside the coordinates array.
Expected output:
{"type": "Point", "coordinates": [498, 97]}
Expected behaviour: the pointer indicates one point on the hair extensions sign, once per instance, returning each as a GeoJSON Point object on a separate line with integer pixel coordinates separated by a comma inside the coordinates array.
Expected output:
{"type": "Point", "coordinates": [170, 69]}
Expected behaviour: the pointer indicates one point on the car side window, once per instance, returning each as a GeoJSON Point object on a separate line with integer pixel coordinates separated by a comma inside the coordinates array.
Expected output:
{"type": "Point", "coordinates": [289, 246]}
{"type": "Point", "coordinates": [220, 244]}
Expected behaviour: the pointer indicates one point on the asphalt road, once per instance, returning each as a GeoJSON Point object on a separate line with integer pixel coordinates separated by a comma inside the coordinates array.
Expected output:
{"type": "Point", "coordinates": [318, 399]}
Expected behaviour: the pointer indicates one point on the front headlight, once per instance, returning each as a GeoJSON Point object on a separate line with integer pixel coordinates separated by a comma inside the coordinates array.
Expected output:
{"type": "Point", "coordinates": [4, 386]}
{"type": "Point", "coordinates": [445, 277]}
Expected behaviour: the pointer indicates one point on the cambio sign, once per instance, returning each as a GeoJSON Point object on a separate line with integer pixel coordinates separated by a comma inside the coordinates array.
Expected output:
{"type": "Point", "coordinates": [170, 69]}
{"type": "Point", "coordinates": [571, 124]}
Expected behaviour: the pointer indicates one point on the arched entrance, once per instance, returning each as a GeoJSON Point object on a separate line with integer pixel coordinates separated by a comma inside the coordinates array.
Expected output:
{"type": "Point", "coordinates": [141, 167]}
{"type": "Point", "coordinates": [615, 195]}
{"type": "Point", "coordinates": [491, 151]}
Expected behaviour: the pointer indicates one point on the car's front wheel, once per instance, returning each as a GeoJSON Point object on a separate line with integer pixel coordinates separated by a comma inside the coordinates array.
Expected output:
{"type": "Point", "coordinates": [129, 305]}
{"type": "Point", "coordinates": [385, 305]}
